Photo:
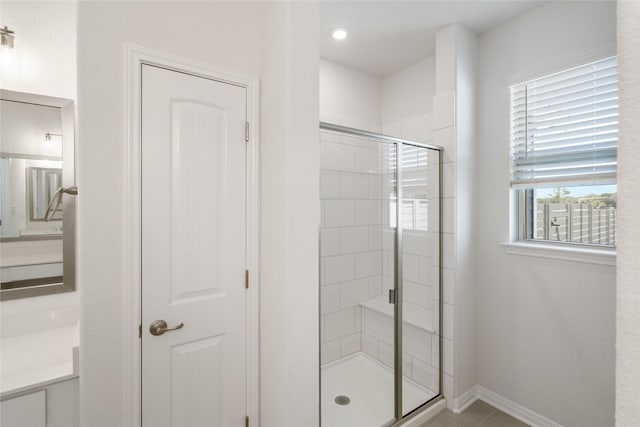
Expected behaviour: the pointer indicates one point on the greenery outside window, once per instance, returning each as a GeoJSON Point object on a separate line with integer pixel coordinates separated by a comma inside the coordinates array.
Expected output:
{"type": "Point", "coordinates": [564, 135]}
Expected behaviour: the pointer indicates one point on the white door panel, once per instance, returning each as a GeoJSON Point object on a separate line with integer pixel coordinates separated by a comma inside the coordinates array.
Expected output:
{"type": "Point", "coordinates": [193, 250]}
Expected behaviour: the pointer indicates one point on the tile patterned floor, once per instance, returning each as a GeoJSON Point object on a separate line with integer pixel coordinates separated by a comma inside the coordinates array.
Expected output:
{"type": "Point", "coordinates": [479, 414]}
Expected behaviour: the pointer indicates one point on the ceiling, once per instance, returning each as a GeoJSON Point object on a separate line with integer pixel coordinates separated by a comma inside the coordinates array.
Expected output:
{"type": "Point", "coordinates": [387, 36]}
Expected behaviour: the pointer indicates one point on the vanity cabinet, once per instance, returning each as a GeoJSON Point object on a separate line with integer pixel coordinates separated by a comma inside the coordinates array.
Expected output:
{"type": "Point", "coordinates": [29, 410]}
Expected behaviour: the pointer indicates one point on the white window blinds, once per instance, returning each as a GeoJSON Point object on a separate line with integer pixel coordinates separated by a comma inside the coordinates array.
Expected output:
{"type": "Point", "coordinates": [564, 127]}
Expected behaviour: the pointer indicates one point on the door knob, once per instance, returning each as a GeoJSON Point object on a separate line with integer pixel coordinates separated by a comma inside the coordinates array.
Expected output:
{"type": "Point", "coordinates": [159, 327]}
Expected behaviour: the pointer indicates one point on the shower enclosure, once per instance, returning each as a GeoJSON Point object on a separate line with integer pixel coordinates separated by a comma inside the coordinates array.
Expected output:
{"type": "Point", "coordinates": [380, 277]}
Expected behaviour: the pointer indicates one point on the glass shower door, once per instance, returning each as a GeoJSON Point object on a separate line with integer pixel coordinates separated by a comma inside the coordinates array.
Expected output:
{"type": "Point", "coordinates": [379, 262]}
{"type": "Point", "coordinates": [420, 276]}
{"type": "Point", "coordinates": [357, 249]}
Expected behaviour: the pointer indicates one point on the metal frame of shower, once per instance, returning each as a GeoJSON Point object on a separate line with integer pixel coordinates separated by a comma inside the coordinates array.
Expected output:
{"type": "Point", "coordinates": [398, 286]}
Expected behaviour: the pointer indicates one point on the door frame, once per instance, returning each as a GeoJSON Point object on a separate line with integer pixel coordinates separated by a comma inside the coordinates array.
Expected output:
{"type": "Point", "coordinates": [135, 57]}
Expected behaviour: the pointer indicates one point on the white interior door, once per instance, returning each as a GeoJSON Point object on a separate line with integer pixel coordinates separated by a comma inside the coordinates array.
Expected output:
{"type": "Point", "coordinates": [193, 250]}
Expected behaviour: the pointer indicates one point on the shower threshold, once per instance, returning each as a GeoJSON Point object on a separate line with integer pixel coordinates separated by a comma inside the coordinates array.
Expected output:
{"type": "Point", "coordinates": [369, 386]}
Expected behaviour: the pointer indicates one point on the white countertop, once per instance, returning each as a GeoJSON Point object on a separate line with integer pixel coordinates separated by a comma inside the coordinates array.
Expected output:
{"type": "Point", "coordinates": [37, 359]}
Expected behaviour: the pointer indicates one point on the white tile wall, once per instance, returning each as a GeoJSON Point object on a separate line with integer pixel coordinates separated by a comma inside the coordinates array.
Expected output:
{"type": "Point", "coordinates": [443, 110]}
{"type": "Point", "coordinates": [444, 137]}
{"type": "Point", "coordinates": [370, 345]}
{"type": "Point", "coordinates": [410, 267]}
{"type": "Point", "coordinates": [354, 239]}
{"type": "Point", "coordinates": [340, 268]}
{"type": "Point", "coordinates": [330, 298]}
{"type": "Point", "coordinates": [448, 208]}
{"type": "Point", "coordinates": [447, 351]}
{"type": "Point", "coordinates": [354, 186]}
{"type": "Point", "coordinates": [329, 242]}
{"type": "Point", "coordinates": [435, 350]}
{"type": "Point", "coordinates": [375, 187]}
{"type": "Point", "coordinates": [428, 272]}
{"type": "Point", "coordinates": [375, 238]}
{"type": "Point", "coordinates": [368, 264]}
{"type": "Point", "coordinates": [375, 286]}
{"type": "Point", "coordinates": [367, 160]}
{"type": "Point", "coordinates": [350, 344]}
{"type": "Point", "coordinates": [418, 294]}
{"type": "Point", "coordinates": [354, 292]}
{"type": "Point", "coordinates": [420, 346]}
{"type": "Point", "coordinates": [339, 157]}
{"type": "Point", "coordinates": [417, 343]}
{"type": "Point", "coordinates": [368, 212]}
{"type": "Point", "coordinates": [447, 326]}
{"type": "Point", "coordinates": [339, 324]}
{"type": "Point", "coordinates": [386, 354]}
{"type": "Point", "coordinates": [329, 185]}
{"type": "Point", "coordinates": [425, 374]}
{"type": "Point", "coordinates": [393, 129]}
{"type": "Point", "coordinates": [448, 284]}
{"type": "Point", "coordinates": [329, 352]}
{"type": "Point", "coordinates": [350, 238]}
{"type": "Point", "coordinates": [448, 251]}
{"type": "Point", "coordinates": [339, 213]}
{"type": "Point", "coordinates": [418, 128]}
{"type": "Point", "coordinates": [449, 183]}
{"type": "Point", "coordinates": [418, 243]}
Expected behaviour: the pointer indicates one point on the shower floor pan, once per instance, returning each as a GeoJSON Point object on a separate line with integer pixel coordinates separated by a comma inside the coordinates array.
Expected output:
{"type": "Point", "coordinates": [369, 386]}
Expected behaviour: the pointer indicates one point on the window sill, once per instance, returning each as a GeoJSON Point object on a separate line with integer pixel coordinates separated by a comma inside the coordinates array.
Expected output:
{"type": "Point", "coordinates": [564, 253]}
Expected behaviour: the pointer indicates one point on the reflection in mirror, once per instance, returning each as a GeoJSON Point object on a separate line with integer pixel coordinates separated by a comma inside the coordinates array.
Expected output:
{"type": "Point", "coordinates": [43, 184]}
{"type": "Point", "coordinates": [36, 161]}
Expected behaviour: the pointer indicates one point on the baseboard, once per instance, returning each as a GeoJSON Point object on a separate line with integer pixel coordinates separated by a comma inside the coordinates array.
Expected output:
{"type": "Point", "coordinates": [509, 407]}
{"type": "Point", "coordinates": [463, 402]}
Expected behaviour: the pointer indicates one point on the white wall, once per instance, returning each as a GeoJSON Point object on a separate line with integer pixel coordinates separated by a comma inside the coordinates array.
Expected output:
{"type": "Point", "coordinates": [545, 328]}
{"type": "Point", "coordinates": [465, 151]}
{"type": "Point", "coordinates": [453, 129]}
{"type": "Point", "coordinates": [407, 101]}
{"type": "Point", "coordinates": [44, 62]}
{"type": "Point", "coordinates": [289, 388]}
{"type": "Point", "coordinates": [349, 97]}
{"type": "Point", "coordinates": [265, 47]}
{"type": "Point", "coordinates": [628, 278]}
{"type": "Point", "coordinates": [45, 47]}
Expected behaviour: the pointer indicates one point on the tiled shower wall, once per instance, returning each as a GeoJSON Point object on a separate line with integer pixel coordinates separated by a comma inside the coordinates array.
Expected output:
{"type": "Point", "coordinates": [351, 239]}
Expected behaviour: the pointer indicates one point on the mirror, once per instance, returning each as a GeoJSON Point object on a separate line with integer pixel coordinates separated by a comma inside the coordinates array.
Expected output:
{"type": "Point", "coordinates": [37, 203]}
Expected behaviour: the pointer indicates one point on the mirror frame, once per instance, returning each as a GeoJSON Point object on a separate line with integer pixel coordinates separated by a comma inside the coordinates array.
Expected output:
{"type": "Point", "coordinates": [68, 284]}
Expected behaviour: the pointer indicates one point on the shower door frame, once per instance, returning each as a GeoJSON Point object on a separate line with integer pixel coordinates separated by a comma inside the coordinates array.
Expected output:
{"type": "Point", "coordinates": [398, 286]}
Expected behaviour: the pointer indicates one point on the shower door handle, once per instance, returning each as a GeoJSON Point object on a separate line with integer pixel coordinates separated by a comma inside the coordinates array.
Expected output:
{"type": "Point", "coordinates": [159, 327]}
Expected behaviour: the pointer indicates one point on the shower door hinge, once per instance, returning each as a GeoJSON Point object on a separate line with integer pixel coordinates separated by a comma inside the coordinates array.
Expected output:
{"type": "Point", "coordinates": [246, 131]}
{"type": "Point", "coordinates": [246, 421]}
{"type": "Point", "coordinates": [246, 279]}
{"type": "Point", "coordinates": [140, 331]}
{"type": "Point", "coordinates": [393, 296]}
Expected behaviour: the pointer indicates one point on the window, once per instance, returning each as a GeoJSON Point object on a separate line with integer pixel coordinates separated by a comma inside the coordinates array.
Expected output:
{"type": "Point", "coordinates": [564, 137]}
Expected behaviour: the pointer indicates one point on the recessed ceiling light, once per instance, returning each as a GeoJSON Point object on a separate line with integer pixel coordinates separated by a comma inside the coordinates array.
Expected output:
{"type": "Point", "coordinates": [339, 34]}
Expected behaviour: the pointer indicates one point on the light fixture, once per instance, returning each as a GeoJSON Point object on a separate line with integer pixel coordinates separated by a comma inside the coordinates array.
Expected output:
{"type": "Point", "coordinates": [6, 45]}
{"type": "Point", "coordinates": [339, 34]}
{"type": "Point", "coordinates": [6, 38]}
{"type": "Point", "coordinates": [48, 135]}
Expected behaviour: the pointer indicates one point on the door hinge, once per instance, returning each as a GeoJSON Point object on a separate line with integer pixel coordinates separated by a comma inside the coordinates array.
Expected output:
{"type": "Point", "coordinates": [393, 296]}
{"type": "Point", "coordinates": [246, 279]}
{"type": "Point", "coordinates": [246, 131]}
{"type": "Point", "coordinates": [140, 331]}
{"type": "Point", "coordinates": [246, 421]}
